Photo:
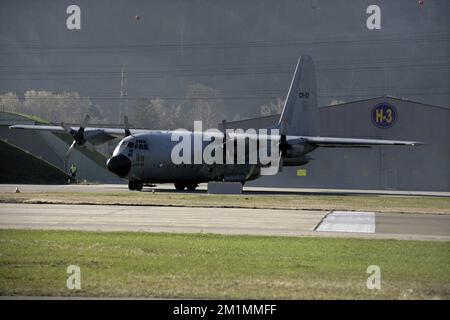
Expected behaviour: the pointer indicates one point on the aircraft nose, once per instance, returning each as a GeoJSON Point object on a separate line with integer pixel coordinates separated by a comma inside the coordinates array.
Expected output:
{"type": "Point", "coordinates": [119, 165]}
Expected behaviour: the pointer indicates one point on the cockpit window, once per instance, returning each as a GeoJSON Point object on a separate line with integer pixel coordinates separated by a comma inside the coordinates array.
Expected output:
{"type": "Point", "coordinates": [141, 145]}
{"type": "Point", "coordinates": [121, 146]}
{"type": "Point", "coordinates": [131, 144]}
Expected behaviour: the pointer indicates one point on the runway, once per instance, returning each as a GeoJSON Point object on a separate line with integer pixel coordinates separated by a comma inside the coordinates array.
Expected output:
{"type": "Point", "coordinates": [221, 221]}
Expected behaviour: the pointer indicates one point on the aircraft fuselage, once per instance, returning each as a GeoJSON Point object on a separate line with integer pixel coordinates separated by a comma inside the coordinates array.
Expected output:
{"type": "Point", "coordinates": [147, 158]}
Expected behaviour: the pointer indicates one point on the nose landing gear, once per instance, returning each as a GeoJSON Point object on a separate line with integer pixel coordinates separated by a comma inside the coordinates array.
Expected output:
{"type": "Point", "coordinates": [191, 186]}
{"type": "Point", "coordinates": [179, 186]}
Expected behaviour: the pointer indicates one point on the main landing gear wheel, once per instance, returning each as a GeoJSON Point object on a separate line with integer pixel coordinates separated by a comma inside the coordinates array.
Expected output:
{"type": "Point", "coordinates": [191, 186]}
{"type": "Point", "coordinates": [179, 186]}
{"type": "Point", "coordinates": [135, 185]}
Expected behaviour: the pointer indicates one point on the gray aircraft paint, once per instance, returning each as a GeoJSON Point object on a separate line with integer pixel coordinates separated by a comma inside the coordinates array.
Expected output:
{"type": "Point", "coordinates": [159, 168]}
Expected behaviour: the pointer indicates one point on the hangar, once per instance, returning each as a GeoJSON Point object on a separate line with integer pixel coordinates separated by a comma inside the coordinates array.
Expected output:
{"type": "Point", "coordinates": [424, 168]}
{"type": "Point", "coordinates": [27, 151]}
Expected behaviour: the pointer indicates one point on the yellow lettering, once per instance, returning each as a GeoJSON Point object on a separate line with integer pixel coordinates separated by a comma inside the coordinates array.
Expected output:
{"type": "Point", "coordinates": [389, 115]}
{"type": "Point", "coordinates": [379, 115]}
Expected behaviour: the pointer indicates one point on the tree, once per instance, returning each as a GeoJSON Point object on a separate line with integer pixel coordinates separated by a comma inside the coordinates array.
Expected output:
{"type": "Point", "coordinates": [207, 104]}
{"type": "Point", "coordinates": [272, 108]}
{"type": "Point", "coordinates": [335, 101]}
{"type": "Point", "coordinates": [54, 107]}
{"type": "Point", "coordinates": [10, 102]}
{"type": "Point", "coordinates": [58, 107]}
{"type": "Point", "coordinates": [156, 114]}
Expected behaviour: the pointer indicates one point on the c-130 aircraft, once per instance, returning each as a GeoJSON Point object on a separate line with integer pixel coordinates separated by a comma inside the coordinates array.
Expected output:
{"type": "Point", "coordinates": [146, 156]}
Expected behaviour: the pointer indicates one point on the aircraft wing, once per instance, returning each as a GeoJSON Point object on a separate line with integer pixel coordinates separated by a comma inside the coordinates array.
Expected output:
{"type": "Point", "coordinates": [95, 136]}
{"type": "Point", "coordinates": [38, 127]}
{"type": "Point", "coordinates": [350, 142]}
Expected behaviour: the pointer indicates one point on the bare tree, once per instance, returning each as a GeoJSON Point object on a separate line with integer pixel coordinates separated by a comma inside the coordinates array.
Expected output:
{"type": "Point", "coordinates": [54, 107]}
{"type": "Point", "coordinates": [274, 107]}
{"type": "Point", "coordinates": [207, 104]}
{"type": "Point", "coordinates": [10, 102]}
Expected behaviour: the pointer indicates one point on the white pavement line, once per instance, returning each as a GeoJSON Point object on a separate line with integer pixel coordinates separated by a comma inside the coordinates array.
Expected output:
{"type": "Point", "coordinates": [348, 221]}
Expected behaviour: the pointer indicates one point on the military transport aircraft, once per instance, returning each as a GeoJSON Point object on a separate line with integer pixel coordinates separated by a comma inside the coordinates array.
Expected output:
{"type": "Point", "coordinates": [145, 156]}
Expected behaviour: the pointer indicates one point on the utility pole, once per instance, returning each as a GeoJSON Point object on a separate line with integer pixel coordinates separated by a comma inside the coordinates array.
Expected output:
{"type": "Point", "coordinates": [123, 107]}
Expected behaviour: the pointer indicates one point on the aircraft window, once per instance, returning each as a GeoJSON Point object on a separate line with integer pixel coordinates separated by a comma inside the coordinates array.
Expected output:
{"type": "Point", "coordinates": [119, 148]}
{"type": "Point", "coordinates": [122, 145]}
{"type": "Point", "coordinates": [138, 144]}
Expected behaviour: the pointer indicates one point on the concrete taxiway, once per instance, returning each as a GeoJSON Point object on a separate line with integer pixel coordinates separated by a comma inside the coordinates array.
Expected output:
{"type": "Point", "coordinates": [224, 221]}
{"type": "Point", "coordinates": [106, 188]}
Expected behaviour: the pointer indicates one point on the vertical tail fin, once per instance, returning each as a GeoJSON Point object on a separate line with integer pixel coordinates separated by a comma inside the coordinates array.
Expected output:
{"type": "Point", "coordinates": [300, 114]}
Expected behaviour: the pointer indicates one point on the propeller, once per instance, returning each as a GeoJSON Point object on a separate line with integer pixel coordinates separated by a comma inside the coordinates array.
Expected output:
{"type": "Point", "coordinates": [126, 126]}
{"type": "Point", "coordinates": [78, 136]}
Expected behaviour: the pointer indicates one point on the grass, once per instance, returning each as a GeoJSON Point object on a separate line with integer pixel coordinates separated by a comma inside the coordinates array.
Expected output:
{"type": "Point", "coordinates": [37, 119]}
{"type": "Point", "coordinates": [407, 204]}
{"type": "Point", "coordinates": [216, 266]}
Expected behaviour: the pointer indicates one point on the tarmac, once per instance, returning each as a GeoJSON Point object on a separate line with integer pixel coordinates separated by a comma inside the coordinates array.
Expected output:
{"type": "Point", "coordinates": [203, 188]}
{"type": "Point", "coordinates": [265, 222]}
